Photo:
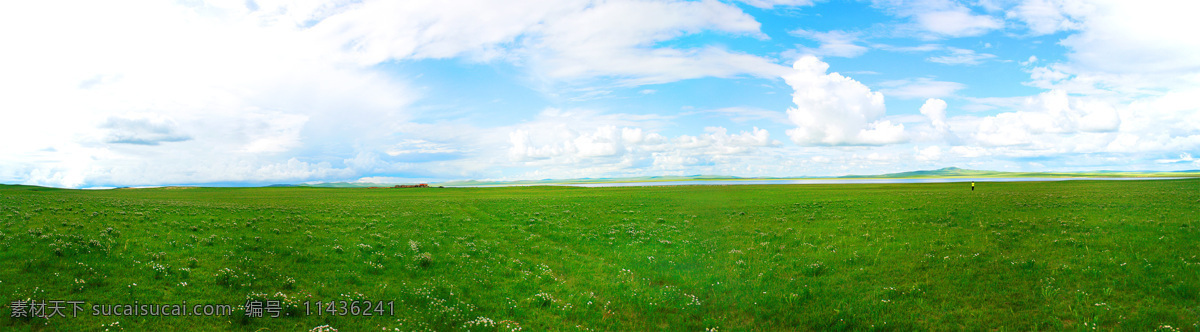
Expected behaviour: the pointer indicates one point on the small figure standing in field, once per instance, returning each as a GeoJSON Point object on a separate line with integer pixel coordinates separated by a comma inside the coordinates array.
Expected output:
{"type": "Point", "coordinates": [972, 185]}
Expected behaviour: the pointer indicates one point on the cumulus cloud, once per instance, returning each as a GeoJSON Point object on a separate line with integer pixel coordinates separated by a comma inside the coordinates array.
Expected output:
{"type": "Point", "coordinates": [717, 140]}
{"type": "Point", "coordinates": [1052, 113]}
{"type": "Point", "coordinates": [574, 142]}
{"type": "Point", "coordinates": [716, 147]}
{"type": "Point", "coordinates": [567, 136]}
{"type": "Point", "coordinates": [969, 151]}
{"type": "Point", "coordinates": [935, 110]}
{"type": "Point", "coordinates": [1166, 123]}
{"type": "Point", "coordinates": [832, 109]}
{"type": "Point", "coordinates": [1032, 60]}
{"type": "Point", "coordinates": [1119, 47]}
{"type": "Point", "coordinates": [560, 137]}
{"type": "Point", "coordinates": [1053, 125]}
{"type": "Point", "coordinates": [1125, 37]}
{"type": "Point", "coordinates": [603, 142]}
{"type": "Point", "coordinates": [931, 153]}
{"type": "Point", "coordinates": [1128, 75]}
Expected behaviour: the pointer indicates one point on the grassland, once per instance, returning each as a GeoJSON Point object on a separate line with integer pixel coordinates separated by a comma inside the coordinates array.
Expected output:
{"type": "Point", "coordinates": [1025, 256]}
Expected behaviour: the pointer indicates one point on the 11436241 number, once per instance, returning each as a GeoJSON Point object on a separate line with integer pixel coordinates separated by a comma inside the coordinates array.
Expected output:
{"type": "Point", "coordinates": [350, 308]}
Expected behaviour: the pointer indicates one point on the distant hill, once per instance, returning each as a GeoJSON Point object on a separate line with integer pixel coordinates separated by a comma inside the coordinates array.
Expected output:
{"type": "Point", "coordinates": [346, 185]}
{"type": "Point", "coordinates": [948, 172]}
{"type": "Point", "coordinates": [945, 172]}
{"type": "Point", "coordinates": [26, 187]}
{"type": "Point", "coordinates": [472, 183]}
{"type": "Point", "coordinates": [955, 172]}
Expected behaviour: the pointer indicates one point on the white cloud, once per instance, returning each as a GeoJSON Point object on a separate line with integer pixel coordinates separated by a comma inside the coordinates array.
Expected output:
{"type": "Point", "coordinates": [922, 87]}
{"type": "Point", "coordinates": [942, 18]}
{"type": "Point", "coordinates": [969, 151]}
{"type": "Point", "coordinates": [1129, 37]}
{"type": "Point", "coordinates": [569, 137]}
{"type": "Point", "coordinates": [878, 157]}
{"type": "Point", "coordinates": [960, 56]}
{"type": "Point", "coordinates": [1032, 59]}
{"type": "Point", "coordinates": [832, 109]}
{"type": "Point", "coordinates": [957, 22]}
{"type": "Point", "coordinates": [634, 67]}
{"type": "Point", "coordinates": [982, 104]}
{"type": "Point", "coordinates": [931, 153]}
{"type": "Point", "coordinates": [1183, 158]}
{"type": "Point", "coordinates": [285, 91]}
{"type": "Point", "coordinates": [615, 39]}
{"type": "Point", "coordinates": [744, 114]}
{"type": "Point", "coordinates": [935, 109]}
{"type": "Point", "coordinates": [716, 148]}
{"type": "Point", "coordinates": [1167, 123]}
{"type": "Point", "coordinates": [420, 146]}
{"type": "Point", "coordinates": [242, 87]}
{"type": "Point", "coordinates": [572, 143]}
{"type": "Point", "coordinates": [918, 48]}
{"type": "Point", "coordinates": [375, 31]}
{"type": "Point", "coordinates": [142, 130]}
{"type": "Point", "coordinates": [833, 43]}
{"type": "Point", "coordinates": [1054, 125]}
{"type": "Point", "coordinates": [1121, 48]}
{"type": "Point", "coordinates": [1050, 113]}
{"type": "Point", "coordinates": [1049, 16]}
{"type": "Point", "coordinates": [768, 4]}
{"type": "Point", "coordinates": [272, 132]}
{"type": "Point", "coordinates": [558, 39]}
{"type": "Point", "coordinates": [950, 55]}
{"type": "Point", "coordinates": [225, 89]}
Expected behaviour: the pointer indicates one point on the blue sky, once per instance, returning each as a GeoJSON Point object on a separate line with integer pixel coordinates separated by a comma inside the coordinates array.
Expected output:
{"type": "Point", "coordinates": [136, 93]}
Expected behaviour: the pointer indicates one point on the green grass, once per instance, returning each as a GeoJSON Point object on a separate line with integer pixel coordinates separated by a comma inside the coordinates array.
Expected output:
{"type": "Point", "coordinates": [1018, 256]}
